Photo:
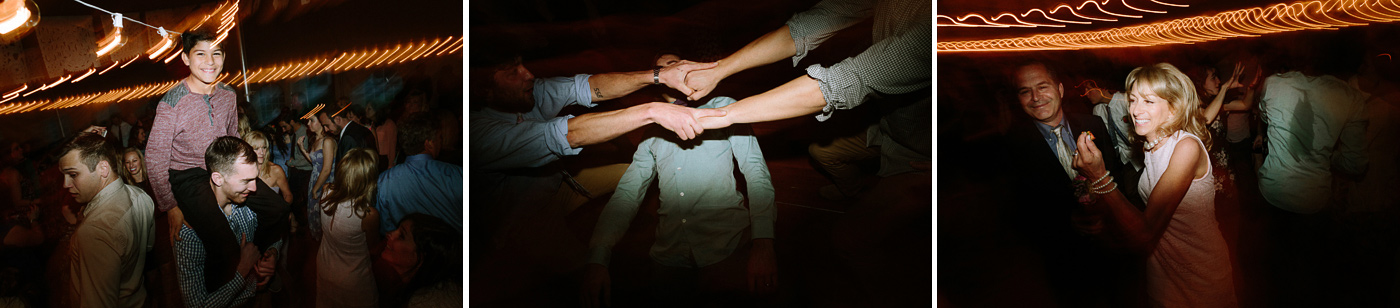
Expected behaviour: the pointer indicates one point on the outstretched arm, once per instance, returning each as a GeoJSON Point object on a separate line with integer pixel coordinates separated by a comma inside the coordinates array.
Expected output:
{"type": "Point", "coordinates": [801, 96]}
{"type": "Point", "coordinates": [613, 85]}
{"type": "Point", "coordinates": [594, 128]}
{"type": "Point", "coordinates": [768, 48]}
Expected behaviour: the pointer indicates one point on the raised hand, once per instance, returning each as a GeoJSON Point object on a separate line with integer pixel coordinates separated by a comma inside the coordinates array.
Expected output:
{"type": "Point", "coordinates": [674, 75]}
{"type": "Point", "coordinates": [1234, 81]}
{"type": "Point", "coordinates": [1087, 157]}
{"type": "Point", "coordinates": [703, 81]}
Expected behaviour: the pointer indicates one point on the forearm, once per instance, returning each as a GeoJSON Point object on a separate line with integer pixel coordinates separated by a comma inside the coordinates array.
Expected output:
{"type": "Point", "coordinates": [613, 85]}
{"type": "Point", "coordinates": [769, 48]}
{"type": "Point", "coordinates": [1214, 108]}
{"type": "Point", "coordinates": [594, 128]}
{"type": "Point", "coordinates": [801, 96]}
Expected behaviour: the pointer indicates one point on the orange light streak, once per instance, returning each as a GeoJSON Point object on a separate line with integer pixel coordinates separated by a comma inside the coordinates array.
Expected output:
{"type": "Point", "coordinates": [89, 72]}
{"type": "Point", "coordinates": [1249, 22]}
{"type": "Point", "coordinates": [1100, 8]}
{"type": "Point", "coordinates": [997, 22]}
{"type": "Point", "coordinates": [114, 64]}
{"type": "Point", "coordinates": [172, 57]}
{"type": "Point", "coordinates": [16, 91]}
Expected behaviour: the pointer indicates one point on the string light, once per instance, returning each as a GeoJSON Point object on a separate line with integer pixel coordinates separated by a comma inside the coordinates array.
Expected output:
{"type": "Point", "coordinates": [999, 21]}
{"type": "Point", "coordinates": [1250, 22]}
{"type": "Point", "coordinates": [89, 73]}
{"type": "Point", "coordinates": [109, 43]}
{"type": "Point", "coordinates": [20, 17]}
{"type": "Point", "coordinates": [345, 61]}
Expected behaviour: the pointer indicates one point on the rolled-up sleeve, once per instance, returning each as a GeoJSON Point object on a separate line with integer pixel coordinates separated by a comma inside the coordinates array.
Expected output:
{"type": "Point", "coordinates": [555, 93]}
{"type": "Point", "coordinates": [896, 65]}
{"type": "Point", "coordinates": [812, 27]}
{"type": "Point", "coordinates": [498, 145]}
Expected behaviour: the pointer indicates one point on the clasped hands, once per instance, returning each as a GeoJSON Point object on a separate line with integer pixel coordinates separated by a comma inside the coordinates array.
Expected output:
{"type": "Point", "coordinates": [695, 80]}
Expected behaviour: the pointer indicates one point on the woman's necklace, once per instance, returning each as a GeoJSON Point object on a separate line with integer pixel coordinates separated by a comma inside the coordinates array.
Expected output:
{"type": "Point", "coordinates": [1152, 145]}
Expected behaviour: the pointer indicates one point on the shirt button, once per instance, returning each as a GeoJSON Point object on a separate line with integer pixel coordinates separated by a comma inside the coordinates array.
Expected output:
{"type": "Point", "coordinates": [678, 168]}
{"type": "Point", "coordinates": [682, 220]}
{"type": "Point", "coordinates": [682, 194]}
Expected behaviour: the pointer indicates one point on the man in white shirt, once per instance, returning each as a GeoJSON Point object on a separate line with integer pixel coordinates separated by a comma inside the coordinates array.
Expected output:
{"type": "Point", "coordinates": [110, 244]}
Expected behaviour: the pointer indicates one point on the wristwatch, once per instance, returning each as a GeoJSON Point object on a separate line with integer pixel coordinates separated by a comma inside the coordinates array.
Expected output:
{"type": "Point", "coordinates": [656, 76]}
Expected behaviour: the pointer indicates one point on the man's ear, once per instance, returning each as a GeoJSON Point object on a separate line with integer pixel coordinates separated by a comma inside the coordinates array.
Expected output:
{"type": "Point", "coordinates": [217, 178]}
{"type": "Point", "coordinates": [185, 57]}
{"type": "Point", "coordinates": [1062, 89]}
{"type": "Point", "coordinates": [104, 170]}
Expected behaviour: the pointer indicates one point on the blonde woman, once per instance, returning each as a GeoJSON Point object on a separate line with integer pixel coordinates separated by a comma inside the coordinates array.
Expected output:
{"type": "Point", "coordinates": [268, 171]}
{"type": "Point", "coordinates": [1188, 264]}
{"type": "Point", "coordinates": [351, 226]}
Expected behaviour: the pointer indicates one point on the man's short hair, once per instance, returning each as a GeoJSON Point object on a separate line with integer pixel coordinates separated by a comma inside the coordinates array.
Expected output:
{"type": "Point", "coordinates": [357, 110]}
{"type": "Point", "coordinates": [92, 149]}
{"type": "Point", "coordinates": [193, 37]}
{"type": "Point", "coordinates": [417, 129]}
{"type": "Point", "coordinates": [1050, 70]}
{"type": "Point", "coordinates": [226, 151]}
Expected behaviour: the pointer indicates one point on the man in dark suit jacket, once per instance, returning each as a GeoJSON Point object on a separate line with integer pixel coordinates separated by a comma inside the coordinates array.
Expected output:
{"type": "Point", "coordinates": [352, 135]}
{"type": "Point", "coordinates": [1045, 211]}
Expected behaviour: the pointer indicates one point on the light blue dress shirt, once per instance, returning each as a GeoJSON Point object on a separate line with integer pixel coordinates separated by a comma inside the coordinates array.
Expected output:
{"type": "Point", "coordinates": [703, 217]}
{"type": "Point", "coordinates": [420, 184]}
{"type": "Point", "coordinates": [1316, 126]}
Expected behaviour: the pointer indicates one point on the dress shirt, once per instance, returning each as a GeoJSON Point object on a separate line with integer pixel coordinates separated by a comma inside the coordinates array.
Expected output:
{"type": "Point", "coordinates": [189, 256]}
{"type": "Point", "coordinates": [703, 217]}
{"type": "Point", "coordinates": [1114, 114]}
{"type": "Point", "coordinates": [896, 63]}
{"type": "Point", "coordinates": [185, 124]}
{"type": "Point", "coordinates": [1065, 133]}
{"type": "Point", "coordinates": [109, 248]}
{"type": "Point", "coordinates": [420, 185]}
{"type": "Point", "coordinates": [1316, 125]}
{"type": "Point", "coordinates": [514, 155]}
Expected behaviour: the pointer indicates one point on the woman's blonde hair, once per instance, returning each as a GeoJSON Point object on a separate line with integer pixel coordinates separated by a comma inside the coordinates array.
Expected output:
{"type": "Point", "coordinates": [1171, 85]}
{"type": "Point", "coordinates": [356, 178]}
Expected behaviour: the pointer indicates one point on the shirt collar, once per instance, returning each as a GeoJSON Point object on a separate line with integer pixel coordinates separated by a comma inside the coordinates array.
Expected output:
{"type": "Point", "coordinates": [342, 129]}
{"type": "Point", "coordinates": [99, 198]}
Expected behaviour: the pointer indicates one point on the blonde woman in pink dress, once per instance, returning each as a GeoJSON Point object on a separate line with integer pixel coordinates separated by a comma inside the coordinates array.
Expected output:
{"type": "Point", "coordinates": [1188, 263]}
{"type": "Point", "coordinates": [351, 226]}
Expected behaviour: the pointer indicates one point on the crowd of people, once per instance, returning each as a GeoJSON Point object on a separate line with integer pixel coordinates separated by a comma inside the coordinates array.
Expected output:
{"type": "Point", "coordinates": [1234, 174]}
{"type": "Point", "coordinates": [313, 209]}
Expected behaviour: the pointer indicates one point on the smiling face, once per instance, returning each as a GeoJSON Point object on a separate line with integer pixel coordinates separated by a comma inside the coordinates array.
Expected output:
{"type": "Point", "coordinates": [1150, 112]}
{"type": "Point", "coordinates": [1039, 94]}
{"type": "Point", "coordinates": [206, 61]}
{"type": "Point", "coordinates": [239, 183]}
{"type": "Point", "coordinates": [133, 162]}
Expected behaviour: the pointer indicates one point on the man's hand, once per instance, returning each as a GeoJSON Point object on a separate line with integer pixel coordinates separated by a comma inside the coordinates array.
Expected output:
{"type": "Point", "coordinates": [682, 120]}
{"type": "Point", "coordinates": [763, 267]}
{"type": "Point", "coordinates": [703, 81]}
{"type": "Point", "coordinates": [595, 281]}
{"type": "Point", "coordinates": [176, 219]}
{"type": "Point", "coordinates": [674, 75]}
{"type": "Point", "coordinates": [267, 266]}
{"type": "Point", "coordinates": [248, 256]}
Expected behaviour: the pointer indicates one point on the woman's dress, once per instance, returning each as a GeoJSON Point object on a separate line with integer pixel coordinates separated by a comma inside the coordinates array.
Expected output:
{"type": "Point", "coordinates": [1190, 264]}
